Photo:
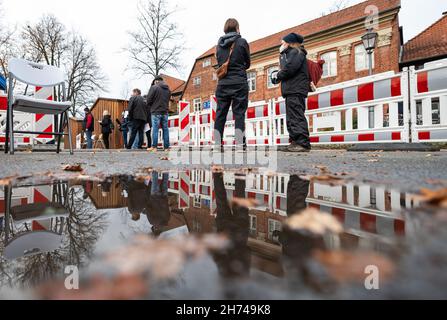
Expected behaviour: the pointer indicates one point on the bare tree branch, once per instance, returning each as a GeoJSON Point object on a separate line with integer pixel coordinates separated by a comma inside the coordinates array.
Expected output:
{"type": "Point", "coordinates": [156, 45]}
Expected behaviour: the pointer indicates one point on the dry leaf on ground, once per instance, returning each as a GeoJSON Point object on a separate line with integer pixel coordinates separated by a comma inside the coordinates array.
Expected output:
{"type": "Point", "coordinates": [165, 159]}
{"type": "Point", "coordinates": [245, 203]}
{"type": "Point", "coordinates": [434, 197]}
{"type": "Point", "coordinates": [314, 221]}
{"type": "Point", "coordinates": [346, 266]}
{"type": "Point", "coordinates": [7, 180]}
{"type": "Point", "coordinates": [72, 168]}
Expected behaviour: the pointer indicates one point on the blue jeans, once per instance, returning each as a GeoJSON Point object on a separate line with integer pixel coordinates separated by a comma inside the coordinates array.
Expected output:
{"type": "Point", "coordinates": [89, 134]}
{"type": "Point", "coordinates": [157, 188]}
{"type": "Point", "coordinates": [158, 119]}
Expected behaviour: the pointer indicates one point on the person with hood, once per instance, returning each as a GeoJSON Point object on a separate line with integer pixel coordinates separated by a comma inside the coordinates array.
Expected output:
{"type": "Point", "coordinates": [158, 104]}
{"type": "Point", "coordinates": [88, 126]}
{"type": "Point", "coordinates": [233, 52]}
{"type": "Point", "coordinates": [137, 117]}
{"type": "Point", "coordinates": [106, 128]}
{"type": "Point", "coordinates": [295, 84]}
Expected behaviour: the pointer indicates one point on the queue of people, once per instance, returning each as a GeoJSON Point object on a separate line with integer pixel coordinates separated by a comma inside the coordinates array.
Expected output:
{"type": "Point", "coordinates": [233, 57]}
{"type": "Point", "coordinates": [136, 123]}
{"type": "Point", "coordinates": [149, 114]}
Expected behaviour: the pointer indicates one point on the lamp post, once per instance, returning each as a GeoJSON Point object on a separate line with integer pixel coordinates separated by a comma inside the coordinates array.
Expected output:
{"type": "Point", "coordinates": [369, 42]}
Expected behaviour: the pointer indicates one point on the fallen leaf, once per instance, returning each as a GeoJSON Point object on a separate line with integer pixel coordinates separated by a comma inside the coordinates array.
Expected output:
{"type": "Point", "coordinates": [72, 168]}
{"type": "Point", "coordinates": [7, 180]}
{"type": "Point", "coordinates": [346, 266]}
{"type": "Point", "coordinates": [433, 197]}
{"type": "Point", "coordinates": [165, 159]}
{"type": "Point", "coordinates": [314, 221]}
{"type": "Point", "coordinates": [245, 203]}
{"type": "Point", "coordinates": [217, 169]}
{"type": "Point", "coordinates": [373, 160]}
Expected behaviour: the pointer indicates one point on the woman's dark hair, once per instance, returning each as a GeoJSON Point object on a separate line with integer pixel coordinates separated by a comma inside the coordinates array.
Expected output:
{"type": "Point", "coordinates": [137, 91]}
{"type": "Point", "coordinates": [231, 25]}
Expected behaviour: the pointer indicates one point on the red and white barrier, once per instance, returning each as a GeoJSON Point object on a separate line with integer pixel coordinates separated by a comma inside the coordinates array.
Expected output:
{"type": "Point", "coordinates": [184, 122]}
{"type": "Point", "coordinates": [22, 121]}
{"type": "Point", "coordinates": [429, 103]}
{"type": "Point", "coordinates": [44, 123]}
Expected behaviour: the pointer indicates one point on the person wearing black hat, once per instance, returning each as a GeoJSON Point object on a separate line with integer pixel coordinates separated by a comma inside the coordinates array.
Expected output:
{"type": "Point", "coordinates": [232, 88]}
{"type": "Point", "coordinates": [294, 78]}
{"type": "Point", "coordinates": [88, 126]}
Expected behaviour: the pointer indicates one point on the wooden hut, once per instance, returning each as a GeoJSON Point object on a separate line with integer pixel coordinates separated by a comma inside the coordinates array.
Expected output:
{"type": "Point", "coordinates": [115, 108]}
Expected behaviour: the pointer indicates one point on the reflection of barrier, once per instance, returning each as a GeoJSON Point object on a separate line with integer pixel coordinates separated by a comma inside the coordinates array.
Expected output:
{"type": "Point", "coordinates": [364, 210]}
{"type": "Point", "coordinates": [429, 103]}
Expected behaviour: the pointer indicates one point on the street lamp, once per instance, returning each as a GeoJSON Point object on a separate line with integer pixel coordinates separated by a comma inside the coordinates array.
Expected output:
{"type": "Point", "coordinates": [369, 42]}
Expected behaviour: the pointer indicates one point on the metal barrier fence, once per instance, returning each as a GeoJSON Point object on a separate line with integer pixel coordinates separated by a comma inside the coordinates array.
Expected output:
{"type": "Point", "coordinates": [428, 96]}
{"type": "Point", "coordinates": [371, 109]}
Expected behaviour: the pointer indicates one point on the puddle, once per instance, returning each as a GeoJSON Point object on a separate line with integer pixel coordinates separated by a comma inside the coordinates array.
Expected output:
{"type": "Point", "coordinates": [212, 235]}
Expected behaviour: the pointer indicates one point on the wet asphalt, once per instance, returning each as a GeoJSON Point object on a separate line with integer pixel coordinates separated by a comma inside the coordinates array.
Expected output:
{"type": "Point", "coordinates": [407, 171]}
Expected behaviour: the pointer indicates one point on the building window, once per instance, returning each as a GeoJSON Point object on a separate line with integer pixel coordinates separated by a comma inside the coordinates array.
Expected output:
{"type": "Point", "coordinates": [269, 77]}
{"type": "Point", "coordinates": [330, 66]}
{"type": "Point", "coordinates": [273, 227]}
{"type": "Point", "coordinates": [197, 103]}
{"type": "Point", "coordinates": [197, 81]}
{"type": "Point", "coordinates": [253, 225]}
{"type": "Point", "coordinates": [251, 76]}
{"type": "Point", "coordinates": [362, 59]}
{"type": "Point", "coordinates": [206, 63]}
{"type": "Point", "coordinates": [214, 76]}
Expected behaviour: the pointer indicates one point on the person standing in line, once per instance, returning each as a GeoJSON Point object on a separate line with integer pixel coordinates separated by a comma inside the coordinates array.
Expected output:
{"type": "Point", "coordinates": [148, 123]}
{"type": "Point", "coordinates": [295, 84]}
{"type": "Point", "coordinates": [137, 117]}
{"type": "Point", "coordinates": [232, 87]}
{"type": "Point", "coordinates": [123, 126]}
{"type": "Point", "coordinates": [88, 126]}
{"type": "Point", "coordinates": [106, 128]}
{"type": "Point", "coordinates": [158, 104]}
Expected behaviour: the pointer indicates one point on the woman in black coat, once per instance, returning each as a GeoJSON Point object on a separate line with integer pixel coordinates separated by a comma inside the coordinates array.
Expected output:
{"type": "Point", "coordinates": [232, 90]}
{"type": "Point", "coordinates": [106, 128]}
{"type": "Point", "coordinates": [295, 84]}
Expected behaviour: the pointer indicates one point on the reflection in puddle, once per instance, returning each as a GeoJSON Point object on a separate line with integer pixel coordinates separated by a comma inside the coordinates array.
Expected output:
{"type": "Point", "coordinates": [47, 227]}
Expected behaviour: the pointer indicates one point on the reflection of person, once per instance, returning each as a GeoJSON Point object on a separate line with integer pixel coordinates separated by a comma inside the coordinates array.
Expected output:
{"type": "Point", "coordinates": [232, 220]}
{"type": "Point", "coordinates": [294, 79]}
{"type": "Point", "coordinates": [137, 196]}
{"type": "Point", "coordinates": [232, 90]}
{"type": "Point", "coordinates": [159, 213]}
{"type": "Point", "coordinates": [297, 247]}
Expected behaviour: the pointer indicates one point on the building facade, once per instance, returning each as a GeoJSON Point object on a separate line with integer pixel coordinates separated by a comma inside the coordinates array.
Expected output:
{"type": "Point", "coordinates": [336, 38]}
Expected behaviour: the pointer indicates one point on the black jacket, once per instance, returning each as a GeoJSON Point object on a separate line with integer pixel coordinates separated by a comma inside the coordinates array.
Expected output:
{"type": "Point", "coordinates": [106, 124]}
{"type": "Point", "coordinates": [294, 74]}
{"type": "Point", "coordinates": [239, 61]}
{"type": "Point", "coordinates": [137, 109]}
{"type": "Point", "coordinates": [158, 99]}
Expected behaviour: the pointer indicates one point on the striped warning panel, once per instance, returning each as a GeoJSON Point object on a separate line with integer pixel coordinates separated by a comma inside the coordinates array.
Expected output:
{"type": "Point", "coordinates": [381, 89]}
{"type": "Point", "coordinates": [432, 80]}
{"type": "Point", "coordinates": [367, 222]}
{"type": "Point", "coordinates": [359, 137]}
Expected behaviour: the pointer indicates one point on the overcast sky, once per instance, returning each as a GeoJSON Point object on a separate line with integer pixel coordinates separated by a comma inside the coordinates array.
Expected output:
{"type": "Point", "coordinates": [106, 22]}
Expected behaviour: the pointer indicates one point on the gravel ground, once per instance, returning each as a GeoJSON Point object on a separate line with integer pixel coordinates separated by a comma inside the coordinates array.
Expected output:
{"type": "Point", "coordinates": [408, 171]}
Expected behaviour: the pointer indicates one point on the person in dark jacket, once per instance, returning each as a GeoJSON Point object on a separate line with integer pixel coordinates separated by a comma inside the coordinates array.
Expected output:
{"type": "Point", "coordinates": [232, 90]}
{"type": "Point", "coordinates": [88, 126]}
{"type": "Point", "coordinates": [232, 220]}
{"type": "Point", "coordinates": [137, 117]}
{"type": "Point", "coordinates": [158, 103]}
{"type": "Point", "coordinates": [294, 78]}
{"type": "Point", "coordinates": [106, 128]}
{"type": "Point", "coordinates": [159, 213]}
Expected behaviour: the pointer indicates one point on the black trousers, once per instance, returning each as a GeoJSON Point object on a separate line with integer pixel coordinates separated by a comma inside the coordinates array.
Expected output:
{"type": "Point", "coordinates": [105, 137]}
{"type": "Point", "coordinates": [149, 138]}
{"type": "Point", "coordinates": [236, 97]}
{"type": "Point", "coordinates": [296, 121]}
{"type": "Point", "coordinates": [137, 128]}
